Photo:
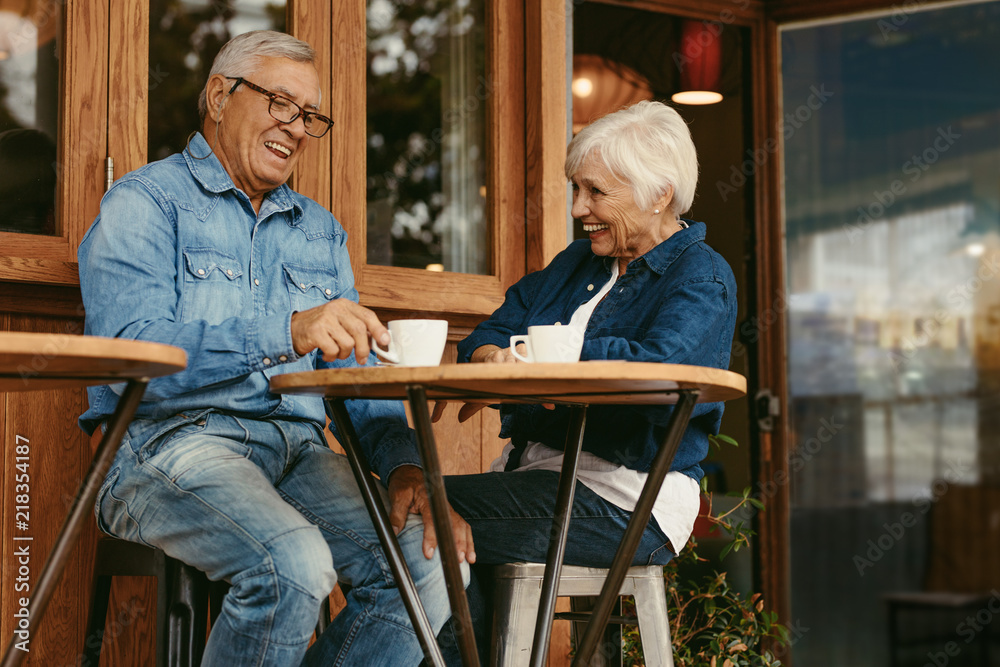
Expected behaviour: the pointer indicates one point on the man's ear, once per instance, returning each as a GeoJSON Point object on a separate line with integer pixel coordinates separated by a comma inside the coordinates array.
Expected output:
{"type": "Point", "coordinates": [216, 94]}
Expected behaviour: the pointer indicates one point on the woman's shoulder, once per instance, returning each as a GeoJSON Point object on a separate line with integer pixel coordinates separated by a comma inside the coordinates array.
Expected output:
{"type": "Point", "coordinates": [699, 259]}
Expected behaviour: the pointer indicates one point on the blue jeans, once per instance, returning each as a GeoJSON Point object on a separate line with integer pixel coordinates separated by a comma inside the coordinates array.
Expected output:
{"type": "Point", "coordinates": [511, 518]}
{"type": "Point", "coordinates": [268, 507]}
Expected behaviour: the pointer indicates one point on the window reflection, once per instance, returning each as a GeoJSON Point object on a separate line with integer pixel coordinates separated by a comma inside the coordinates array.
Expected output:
{"type": "Point", "coordinates": [892, 227]}
{"type": "Point", "coordinates": [893, 308]}
{"type": "Point", "coordinates": [184, 37]}
{"type": "Point", "coordinates": [29, 84]}
{"type": "Point", "coordinates": [427, 95]}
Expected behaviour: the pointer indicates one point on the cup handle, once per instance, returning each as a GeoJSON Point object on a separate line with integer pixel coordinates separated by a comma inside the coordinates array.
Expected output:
{"type": "Point", "coordinates": [391, 357]}
{"type": "Point", "coordinates": [523, 338]}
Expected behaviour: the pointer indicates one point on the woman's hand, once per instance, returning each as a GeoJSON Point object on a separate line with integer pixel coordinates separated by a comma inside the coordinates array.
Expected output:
{"type": "Point", "coordinates": [487, 354]}
{"type": "Point", "coordinates": [493, 354]}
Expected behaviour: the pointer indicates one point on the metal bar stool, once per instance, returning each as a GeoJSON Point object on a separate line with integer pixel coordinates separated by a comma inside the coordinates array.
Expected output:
{"type": "Point", "coordinates": [182, 594]}
{"type": "Point", "coordinates": [518, 588]}
{"type": "Point", "coordinates": [185, 601]}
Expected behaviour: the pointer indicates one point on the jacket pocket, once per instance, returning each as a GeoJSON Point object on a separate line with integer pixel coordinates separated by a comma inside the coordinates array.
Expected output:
{"type": "Point", "coordinates": [310, 286]}
{"type": "Point", "coordinates": [212, 286]}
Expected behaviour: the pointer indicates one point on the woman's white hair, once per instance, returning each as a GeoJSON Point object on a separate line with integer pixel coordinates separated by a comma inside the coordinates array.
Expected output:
{"type": "Point", "coordinates": [647, 146]}
{"type": "Point", "coordinates": [241, 56]}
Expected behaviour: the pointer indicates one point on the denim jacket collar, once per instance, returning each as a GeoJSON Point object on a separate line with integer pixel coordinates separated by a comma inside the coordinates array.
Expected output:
{"type": "Point", "coordinates": [662, 256]}
{"type": "Point", "coordinates": [212, 176]}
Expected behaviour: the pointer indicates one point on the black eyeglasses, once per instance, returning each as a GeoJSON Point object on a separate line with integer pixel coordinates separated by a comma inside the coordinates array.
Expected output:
{"type": "Point", "coordinates": [284, 110]}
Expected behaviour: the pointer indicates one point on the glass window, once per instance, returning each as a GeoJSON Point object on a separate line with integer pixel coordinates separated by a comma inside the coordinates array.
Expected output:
{"type": "Point", "coordinates": [426, 105]}
{"type": "Point", "coordinates": [29, 92]}
{"type": "Point", "coordinates": [184, 38]}
{"type": "Point", "coordinates": [892, 228]}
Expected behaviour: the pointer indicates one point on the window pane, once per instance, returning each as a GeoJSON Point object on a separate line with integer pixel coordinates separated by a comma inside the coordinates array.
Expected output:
{"type": "Point", "coordinates": [892, 159]}
{"type": "Point", "coordinates": [29, 92]}
{"type": "Point", "coordinates": [184, 37]}
{"type": "Point", "coordinates": [427, 92]}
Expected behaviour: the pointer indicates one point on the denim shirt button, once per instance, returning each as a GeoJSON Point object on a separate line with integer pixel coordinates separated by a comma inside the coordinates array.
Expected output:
{"type": "Point", "coordinates": [590, 287]}
{"type": "Point", "coordinates": [229, 272]}
{"type": "Point", "coordinates": [256, 282]}
{"type": "Point", "coordinates": [328, 291]}
{"type": "Point", "coordinates": [267, 362]}
{"type": "Point", "coordinates": [282, 358]}
{"type": "Point", "coordinates": [201, 272]}
{"type": "Point", "coordinates": [302, 285]}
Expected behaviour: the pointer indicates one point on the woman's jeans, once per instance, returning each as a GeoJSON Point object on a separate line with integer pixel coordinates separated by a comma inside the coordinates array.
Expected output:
{"type": "Point", "coordinates": [268, 507]}
{"type": "Point", "coordinates": [511, 518]}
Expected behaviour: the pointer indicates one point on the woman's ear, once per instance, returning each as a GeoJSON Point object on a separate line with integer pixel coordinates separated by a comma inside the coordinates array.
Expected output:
{"type": "Point", "coordinates": [663, 203]}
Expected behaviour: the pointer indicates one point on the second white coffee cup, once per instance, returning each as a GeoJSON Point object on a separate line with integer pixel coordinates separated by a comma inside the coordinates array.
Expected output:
{"type": "Point", "coordinates": [415, 342]}
{"type": "Point", "coordinates": [550, 343]}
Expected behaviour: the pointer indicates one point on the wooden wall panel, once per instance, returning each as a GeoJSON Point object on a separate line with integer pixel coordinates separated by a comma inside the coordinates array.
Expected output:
{"type": "Point", "coordinates": [59, 457]}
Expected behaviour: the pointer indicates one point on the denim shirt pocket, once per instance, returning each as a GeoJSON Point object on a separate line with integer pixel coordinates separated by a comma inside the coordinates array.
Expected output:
{"type": "Point", "coordinates": [310, 286]}
{"type": "Point", "coordinates": [212, 286]}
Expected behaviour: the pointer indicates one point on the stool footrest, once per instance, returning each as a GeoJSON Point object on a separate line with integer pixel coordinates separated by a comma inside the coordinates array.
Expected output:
{"type": "Point", "coordinates": [580, 616]}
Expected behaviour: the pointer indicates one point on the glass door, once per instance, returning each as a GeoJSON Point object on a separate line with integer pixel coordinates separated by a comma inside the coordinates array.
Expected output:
{"type": "Point", "coordinates": [891, 127]}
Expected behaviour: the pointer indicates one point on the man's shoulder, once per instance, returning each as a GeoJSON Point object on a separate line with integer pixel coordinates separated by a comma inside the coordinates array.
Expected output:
{"type": "Point", "coordinates": [160, 174]}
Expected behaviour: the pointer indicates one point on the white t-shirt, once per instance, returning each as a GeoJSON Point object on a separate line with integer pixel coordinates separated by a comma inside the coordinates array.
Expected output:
{"type": "Point", "coordinates": [678, 502]}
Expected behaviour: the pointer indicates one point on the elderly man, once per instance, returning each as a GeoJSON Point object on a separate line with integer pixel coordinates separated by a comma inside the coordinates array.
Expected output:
{"type": "Point", "coordinates": [210, 251]}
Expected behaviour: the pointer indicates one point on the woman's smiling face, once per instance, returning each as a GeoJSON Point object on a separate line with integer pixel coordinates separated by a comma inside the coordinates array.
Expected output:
{"type": "Point", "coordinates": [604, 204]}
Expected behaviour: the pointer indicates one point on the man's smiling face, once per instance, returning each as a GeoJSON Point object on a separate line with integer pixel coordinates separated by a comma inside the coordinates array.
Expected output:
{"type": "Point", "coordinates": [257, 151]}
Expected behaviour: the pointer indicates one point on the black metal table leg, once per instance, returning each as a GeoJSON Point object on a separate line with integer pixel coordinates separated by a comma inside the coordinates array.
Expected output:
{"type": "Point", "coordinates": [442, 525]}
{"type": "Point", "coordinates": [83, 505]}
{"type": "Point", "coordinates": [557, 538]}
{"type": "Point", "coordinates": [636, 525]}
{"type": "Point", "coordinates": [380, 518]}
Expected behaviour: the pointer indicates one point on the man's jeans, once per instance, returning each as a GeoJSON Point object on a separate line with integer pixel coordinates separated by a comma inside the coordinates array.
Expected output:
{"type": "Point", "coordinates": [268, 507]}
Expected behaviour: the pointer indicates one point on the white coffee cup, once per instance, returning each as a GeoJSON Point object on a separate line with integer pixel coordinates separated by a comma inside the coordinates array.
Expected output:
{"type": "Point", "coordinates": [550, 343]}
{"type": "Point", "coordinates": [415, 342]}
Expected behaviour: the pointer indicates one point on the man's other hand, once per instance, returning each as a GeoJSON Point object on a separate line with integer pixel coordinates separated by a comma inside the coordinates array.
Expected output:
{"type": "Point", "coordinates": [408, 495]}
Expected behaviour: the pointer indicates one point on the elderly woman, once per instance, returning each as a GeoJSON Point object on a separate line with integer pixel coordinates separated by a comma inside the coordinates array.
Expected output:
{"type": "Point", "coordinates": [643, 287]}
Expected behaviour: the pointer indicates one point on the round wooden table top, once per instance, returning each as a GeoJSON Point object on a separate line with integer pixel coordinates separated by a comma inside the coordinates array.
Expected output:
{"type": "Point", "coordinates": [32, 361]}
{"type": "Point", "coordinates": [590, 382]}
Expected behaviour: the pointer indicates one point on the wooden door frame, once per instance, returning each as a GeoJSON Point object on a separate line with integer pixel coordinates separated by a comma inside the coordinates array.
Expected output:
{"type": "Point", "coordinates": [463, 299]}
{"type": "Point", "coordinates": [82, 147]}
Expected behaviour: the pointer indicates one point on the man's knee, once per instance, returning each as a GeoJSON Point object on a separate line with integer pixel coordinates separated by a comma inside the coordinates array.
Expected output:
{"type": "Point", "coordinates": [301, 558]}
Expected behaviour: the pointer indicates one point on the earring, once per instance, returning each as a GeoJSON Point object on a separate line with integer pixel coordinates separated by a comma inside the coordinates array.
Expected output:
{"type": "Point", "coordinates": [656, 211]}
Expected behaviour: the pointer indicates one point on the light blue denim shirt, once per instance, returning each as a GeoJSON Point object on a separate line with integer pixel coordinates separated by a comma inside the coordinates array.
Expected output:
{"type": "Point", "coordinates": [178, 256]}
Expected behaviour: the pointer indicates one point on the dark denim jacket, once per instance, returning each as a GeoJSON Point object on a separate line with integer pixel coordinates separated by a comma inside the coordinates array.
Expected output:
{"type": "Point", "coordinates": [675, 304]}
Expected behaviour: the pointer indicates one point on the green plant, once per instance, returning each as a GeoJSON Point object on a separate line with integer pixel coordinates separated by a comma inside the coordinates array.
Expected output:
{"type": "Point", "coordinates": [711, 623]}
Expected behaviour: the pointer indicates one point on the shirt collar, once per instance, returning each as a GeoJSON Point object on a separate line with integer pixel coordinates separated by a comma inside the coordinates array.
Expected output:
{"type": "Point", "coordinates": [212, 176]}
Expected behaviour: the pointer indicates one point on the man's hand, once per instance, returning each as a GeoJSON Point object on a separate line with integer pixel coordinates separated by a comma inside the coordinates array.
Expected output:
{"type": "Point", "coordinates": [408, 495]}
{"type": "Point", "coordinates": [336, 328]}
